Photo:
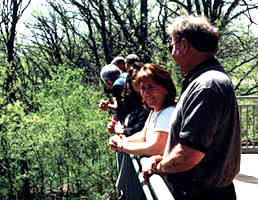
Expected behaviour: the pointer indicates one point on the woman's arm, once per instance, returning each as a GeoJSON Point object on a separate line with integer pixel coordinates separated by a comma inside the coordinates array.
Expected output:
{"type": "Point", "coordinates": [155, 146]}
{"type": "Point", "coordinates": [137, 137]}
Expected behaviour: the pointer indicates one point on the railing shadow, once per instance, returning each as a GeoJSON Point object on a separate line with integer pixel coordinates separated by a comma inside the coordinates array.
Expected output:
{"type": "Point", "coordinates": [247, 179]}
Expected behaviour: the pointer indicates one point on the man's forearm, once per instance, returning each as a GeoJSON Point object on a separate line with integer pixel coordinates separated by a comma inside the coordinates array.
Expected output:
{"type": "Point", "coordinates": [181, 158]}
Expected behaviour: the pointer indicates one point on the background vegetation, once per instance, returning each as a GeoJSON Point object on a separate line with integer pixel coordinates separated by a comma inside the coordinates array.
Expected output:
{"type": "Point", "coordinates": [60, 150]}
{"type": "Point", "coordinates": [53, 138]}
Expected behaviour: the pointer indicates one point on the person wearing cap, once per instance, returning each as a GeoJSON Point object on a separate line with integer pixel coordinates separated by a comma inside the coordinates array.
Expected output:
{"type": "Point", "coordinates": [129, 118]}
{"type": "Point", "coordinates": [115, 81]}
{"type": "Point", "coordinates": [119, 61]}
{"type": "Point", "coordinates": [118, 88]}
{"type": "Point", "coordinates": [109, 74]}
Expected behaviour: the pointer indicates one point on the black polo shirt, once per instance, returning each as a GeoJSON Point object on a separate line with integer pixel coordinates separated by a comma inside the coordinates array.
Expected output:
{"type": "Point", "coordinates": [206, 119]}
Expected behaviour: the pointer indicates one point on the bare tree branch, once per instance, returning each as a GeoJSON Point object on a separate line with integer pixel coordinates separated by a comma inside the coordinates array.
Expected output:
{"type": "Point", "coordinates": [246, 74]}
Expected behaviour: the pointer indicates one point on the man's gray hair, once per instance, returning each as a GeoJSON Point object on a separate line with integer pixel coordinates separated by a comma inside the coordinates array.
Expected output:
{"type": "Point", "coordinates": [110, 73]}
{"type": "Point", "coordinates": [197, 30]}
{"type": "Point", "coordinates": [118, 60]}
{"type": "Point", "coordinates": [131, 59]}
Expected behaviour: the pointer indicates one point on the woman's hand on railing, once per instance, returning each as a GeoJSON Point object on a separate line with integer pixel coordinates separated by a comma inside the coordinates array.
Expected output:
{"type": "Point", "coordinates": [119, 129]}
{"type": "Point", "coordinates": [116, 143]}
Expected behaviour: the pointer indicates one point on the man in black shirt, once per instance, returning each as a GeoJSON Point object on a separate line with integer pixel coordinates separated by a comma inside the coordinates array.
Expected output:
{"type": "Point", "coordinates": [202, 155]}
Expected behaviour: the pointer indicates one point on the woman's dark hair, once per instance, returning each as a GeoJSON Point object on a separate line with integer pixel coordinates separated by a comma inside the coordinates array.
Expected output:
{"type": "Point", "coordinates": [131, 97]}
{"type": "Point", "coordinates": [162, 77]}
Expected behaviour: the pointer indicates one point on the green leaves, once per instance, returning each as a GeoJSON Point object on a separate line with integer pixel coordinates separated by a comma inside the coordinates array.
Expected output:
{"type": "Point", "coordinates": [64, 143]}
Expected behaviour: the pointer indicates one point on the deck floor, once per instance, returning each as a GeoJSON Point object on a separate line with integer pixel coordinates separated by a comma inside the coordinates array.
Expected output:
{"type": "Point", "coordinates": [246, 182]}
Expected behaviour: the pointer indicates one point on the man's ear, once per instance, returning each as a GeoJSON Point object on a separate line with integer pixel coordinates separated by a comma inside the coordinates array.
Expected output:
{"type": "Point", "coordinates": [185, 45]}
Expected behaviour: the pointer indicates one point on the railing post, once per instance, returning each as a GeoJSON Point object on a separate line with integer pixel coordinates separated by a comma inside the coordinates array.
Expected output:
{"type": "Point", "coordinates": [248, 118]}
{"type": "Point", "coordinates": [254, 110]}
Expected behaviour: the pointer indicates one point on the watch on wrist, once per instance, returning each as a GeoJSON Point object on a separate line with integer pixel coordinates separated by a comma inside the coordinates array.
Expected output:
{"type": "Point", "coordinates": [121, 145]}
{"type": "Point", "coordinates": [161, 168]}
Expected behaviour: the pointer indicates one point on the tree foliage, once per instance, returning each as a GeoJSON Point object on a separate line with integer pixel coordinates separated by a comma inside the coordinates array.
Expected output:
{"type": "Point", "coordinates": [88, 34]}
{"type": "Point", "coordinates": [61, 150]}
{"type": "Point", "coordinates": [16, 79]}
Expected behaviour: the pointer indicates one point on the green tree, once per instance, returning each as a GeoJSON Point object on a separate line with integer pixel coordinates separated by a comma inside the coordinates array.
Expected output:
{"type": "Point", "coordinates": [64, 144]}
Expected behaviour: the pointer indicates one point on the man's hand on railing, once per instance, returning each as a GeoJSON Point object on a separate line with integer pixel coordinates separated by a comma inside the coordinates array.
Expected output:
{"type": "Point", "coordinates": [149, 166]}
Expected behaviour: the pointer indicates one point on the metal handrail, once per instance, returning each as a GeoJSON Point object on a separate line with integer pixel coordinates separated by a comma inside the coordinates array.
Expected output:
{"type": "Point", "coordinates": [247, 97]}
{"type": "Point", "coordinates": [157, 188]}
{"type": "Point", "coordinates": [145, 187]}
{"type": "Point", "coordinates": [251, 104]}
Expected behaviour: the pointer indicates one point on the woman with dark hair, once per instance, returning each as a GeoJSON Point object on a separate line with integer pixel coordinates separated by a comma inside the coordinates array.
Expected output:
{"type": "Point", "coordinates": [158, 94]}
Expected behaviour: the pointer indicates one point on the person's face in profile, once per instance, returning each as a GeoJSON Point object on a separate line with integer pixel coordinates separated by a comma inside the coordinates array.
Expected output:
{"type": "Point", "coordinates": [180, 52]}
{"type": "Point", "coordinates": [133, 69]}
{"type": "Point", "coordinates": [153, 94]}
{"type": "Point", "coordinates": [175, 50]}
